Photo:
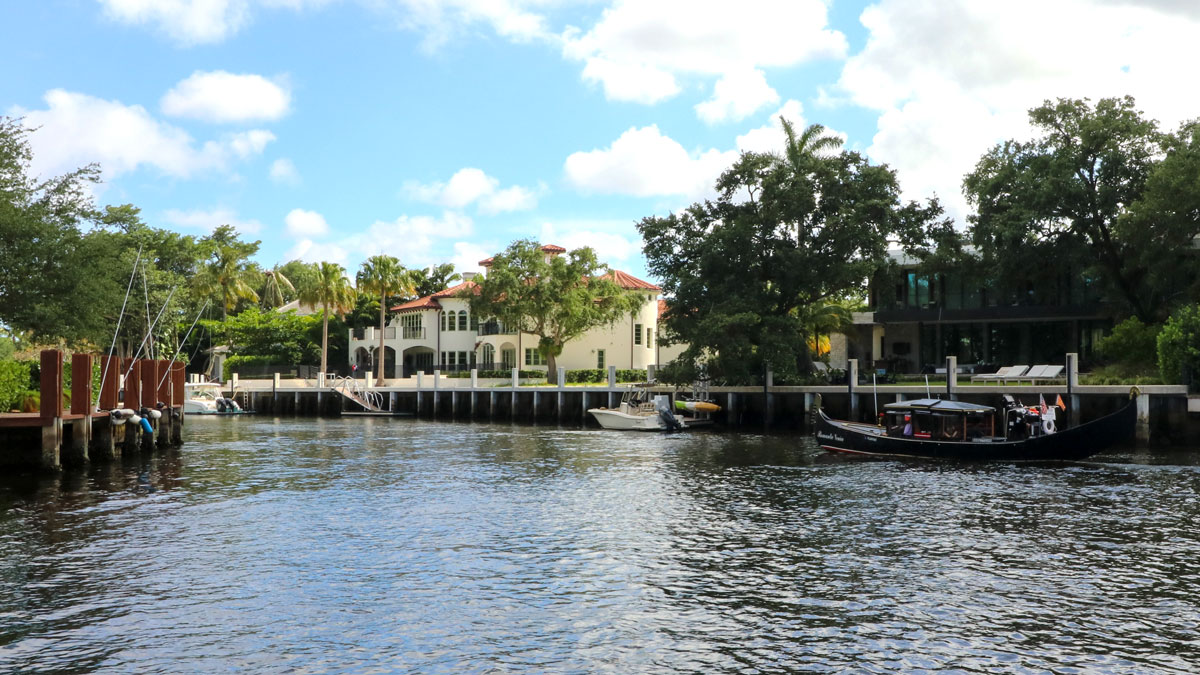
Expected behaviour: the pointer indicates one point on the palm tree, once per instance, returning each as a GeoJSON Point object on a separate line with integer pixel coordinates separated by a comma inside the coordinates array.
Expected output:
{"type": "Point", "coordinates": [225, 278]}
{"type": "Point", "coordinates": [330, 289]}
{"type": "Point", "coordinates": [813, 142]}
{"type": "Point", "coordinates": [383, 275]}
{"type": "Point", "coordinates": [273, 284]}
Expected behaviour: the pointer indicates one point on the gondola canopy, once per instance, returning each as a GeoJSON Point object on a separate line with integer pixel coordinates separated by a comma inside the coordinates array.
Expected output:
{"type": "Point", "coordinates": [937, 405]}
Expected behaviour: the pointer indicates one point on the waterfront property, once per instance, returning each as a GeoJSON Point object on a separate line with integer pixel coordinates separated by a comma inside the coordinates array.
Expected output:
{"type": "Point", "coordinates": [439, 332]}
{"type": "Point", "coordinates": [920, 317]}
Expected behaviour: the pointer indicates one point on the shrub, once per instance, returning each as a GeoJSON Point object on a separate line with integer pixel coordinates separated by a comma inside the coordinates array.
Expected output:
{"type": "Point", "coordinates": [1131, 343]}
{"type": "Point", "coordinates": [502, 374]}
{"type": "Point", "coordinates": [1179, 346]}
{"type": "Point", "coordinates": [234, 363]}
{"type": "Point", "coordinates": [16, 383]}
{"type": "Point", "coordinates": [586, 375]}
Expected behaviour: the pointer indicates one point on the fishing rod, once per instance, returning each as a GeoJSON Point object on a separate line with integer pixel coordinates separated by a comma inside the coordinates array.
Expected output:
{"type": "Point", "coordinates": [185, 337]}
{"type": "Point", "coordinates": [104, 372]}
{"type": "Point", "coordinates": [150, 333]}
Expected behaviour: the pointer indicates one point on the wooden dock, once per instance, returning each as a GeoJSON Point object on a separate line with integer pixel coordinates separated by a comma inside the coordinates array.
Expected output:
{"type": "Point", "coordinates": [84, 432]}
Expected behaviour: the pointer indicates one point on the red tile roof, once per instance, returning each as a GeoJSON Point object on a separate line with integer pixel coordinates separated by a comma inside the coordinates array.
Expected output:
{"type": "Point", "coordinates": [551, 248]}
{"type": "Point", "coordinates": [630, 282]}
{"type": "Point", "coordinates": [430, 301]}
{"type": "Point", "coordinates": [486, 262]}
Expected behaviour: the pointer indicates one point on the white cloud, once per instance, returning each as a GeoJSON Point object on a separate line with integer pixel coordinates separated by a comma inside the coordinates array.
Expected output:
{"type": "Point", "coordinates": [468, 254]}
{"type": "Point", "coordinates": [617, 244]}
{"type": "Point", "coordinates": [310, 251]}
{"type": "Point", "coordinates": [736, 96]}
{"type": "Point", "coordinates": [643, 162]}
{"type": "Point", "coordinates": [207, 221]}
{"type": "Point", "coordinates": [188, 21]}
{"type": "Point", "coordinates": [219, 96]}
{"type": "Point", "coordinates": [283, 171]}
{"type": "Point", "coordinates": [193, 22]}
{"type": "Point", "coordinates": [413, 239]}
{"type": "Point", "coordinates": [950, 79]}
{"type": "Point", "coordinates": [76, 129]}
{"type": "Point", "coordinates": [637, 49]}
{"type": "Point", "coordinates": [301, 223]}
{"type": "Point", "coordinates": [473, 186]}
{"type": "Point", "coordinates": [770, 138]}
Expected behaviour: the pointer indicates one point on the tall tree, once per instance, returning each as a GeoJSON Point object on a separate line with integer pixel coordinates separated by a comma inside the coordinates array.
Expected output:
{"type": "Point", "coordinates": [225, 275]}
{"type": "Point", "coordinates": [432, 279]}
{"type": "Point", "coordinates": [275, 288]}
{"type": "Point", "coordinates": [330, 289]}
{"type": "Point", "coordinates": [554, 297]}
{"type": "Point", "coordinates": [748, 273]}
{"type": "Point", "coordinates": [53, 285]}
{"type": "Point", "coordinates": [385, 276]}
{"type": "Point", "coordinates": [1079, 193]}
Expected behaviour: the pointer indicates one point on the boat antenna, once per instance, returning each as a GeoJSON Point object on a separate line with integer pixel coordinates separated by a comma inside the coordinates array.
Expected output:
{"type": "Point", "coordinates": [927, 394]}
{"type": "Point", "coordinates": [875, 387]}
{"type": "Point", "coordinates": [185, 337]}
{"type": "Point", "coordinates": [104, 372]}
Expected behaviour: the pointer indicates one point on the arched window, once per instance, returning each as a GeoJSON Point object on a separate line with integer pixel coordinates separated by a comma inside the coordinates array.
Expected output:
{"type": "Point", "coordinates": [443, 316]}
{"type": "Point", "coordinates": [462, 319]}
{"type": "Point", "coordinates": [489, 356]}
{"type": "Point", "coordinates": [449, 320]}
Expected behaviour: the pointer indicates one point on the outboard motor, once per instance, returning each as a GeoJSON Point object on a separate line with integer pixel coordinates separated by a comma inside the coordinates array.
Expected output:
{"type": "Point", "coordinates": [221, 405]}
{"type": "Point", "coordinates": [663, 407]}
{"type": "Point", "coordinates": [233, 405]}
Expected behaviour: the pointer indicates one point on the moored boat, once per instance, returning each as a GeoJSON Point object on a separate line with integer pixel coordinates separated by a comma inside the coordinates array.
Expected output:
{"type": "Point", "coordinates": [937, 429]}
{"type": "Point", "coordinates": [640, 410]}
{"type": "Point", "coordinates": [207, 398]}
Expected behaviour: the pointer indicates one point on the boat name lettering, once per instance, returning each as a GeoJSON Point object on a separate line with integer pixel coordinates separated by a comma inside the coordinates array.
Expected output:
{"type": "Point", "coordinates": [830, 437]}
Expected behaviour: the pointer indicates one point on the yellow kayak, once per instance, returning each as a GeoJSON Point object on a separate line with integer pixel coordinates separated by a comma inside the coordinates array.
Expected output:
{"type": "Point", "coordinates": [697, 406]}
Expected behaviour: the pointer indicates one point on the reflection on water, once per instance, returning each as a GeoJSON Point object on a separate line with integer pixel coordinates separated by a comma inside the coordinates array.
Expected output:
{"type": "Point", "coordinates": [372, 544]}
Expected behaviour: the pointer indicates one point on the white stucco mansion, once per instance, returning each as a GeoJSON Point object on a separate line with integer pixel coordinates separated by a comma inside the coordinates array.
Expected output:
{"type": "Point", "coordinates": [438, 332]}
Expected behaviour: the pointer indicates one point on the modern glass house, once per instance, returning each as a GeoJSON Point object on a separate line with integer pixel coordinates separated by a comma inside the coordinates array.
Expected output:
{"type": "Point", "coordinates": [920, 317]}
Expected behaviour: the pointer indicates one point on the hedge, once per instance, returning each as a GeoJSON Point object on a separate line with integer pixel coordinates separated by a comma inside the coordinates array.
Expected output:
{"type": "Point", "coordinates": [231, 363]}
{"type": "Point", "coordinates": [501, 374]}
{"type": "Point", "coordinates": [601, 375]}
{"type": "Point", "coordinates": [15, 383]}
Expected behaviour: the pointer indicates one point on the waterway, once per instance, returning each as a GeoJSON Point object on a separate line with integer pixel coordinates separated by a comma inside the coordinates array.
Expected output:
{"type": "Point", "coordinates": [396, 545]}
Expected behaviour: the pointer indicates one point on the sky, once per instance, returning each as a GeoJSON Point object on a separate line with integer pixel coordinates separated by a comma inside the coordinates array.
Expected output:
{"type": "Point", "coordinates": [441, 131]}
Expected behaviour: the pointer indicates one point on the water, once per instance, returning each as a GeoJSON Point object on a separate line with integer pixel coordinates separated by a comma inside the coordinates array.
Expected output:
{"type": "Point", "coordinates": [372, 545]}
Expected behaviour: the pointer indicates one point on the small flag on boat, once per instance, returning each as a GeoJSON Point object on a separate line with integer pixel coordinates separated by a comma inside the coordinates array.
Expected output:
{"type": "Point", "coordinates": [1042, 404]}
{"type": "Point", "coordinates": [1059, 402]}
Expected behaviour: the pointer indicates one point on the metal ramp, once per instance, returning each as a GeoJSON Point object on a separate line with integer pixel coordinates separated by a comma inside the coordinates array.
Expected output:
{"type": "Point", "coordinates": [371, 401]}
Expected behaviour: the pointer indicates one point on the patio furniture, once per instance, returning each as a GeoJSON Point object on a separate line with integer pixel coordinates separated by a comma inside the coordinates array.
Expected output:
{"type": "Point", "coordinates": [1001, 375]}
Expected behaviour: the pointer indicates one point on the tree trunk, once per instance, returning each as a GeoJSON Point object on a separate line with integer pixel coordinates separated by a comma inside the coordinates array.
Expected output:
{"type": "Point", "coordinates": [379, 357]}
{"type": "Point", "coordinates": [551, 369]}
{"type": "Point", "coordinates": [324, 339]}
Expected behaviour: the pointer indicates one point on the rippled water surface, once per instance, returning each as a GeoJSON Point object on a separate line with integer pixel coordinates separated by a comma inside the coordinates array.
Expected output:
{"type": "Point", "coordinates": [372, 545]}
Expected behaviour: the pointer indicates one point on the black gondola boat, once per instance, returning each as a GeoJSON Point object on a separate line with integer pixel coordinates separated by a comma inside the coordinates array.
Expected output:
{"type": "Point", "coordinates": [938, 429]}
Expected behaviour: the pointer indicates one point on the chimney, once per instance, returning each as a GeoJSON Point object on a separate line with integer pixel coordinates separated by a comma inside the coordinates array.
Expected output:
{"type": "Point", "coordinates": [467, 276]}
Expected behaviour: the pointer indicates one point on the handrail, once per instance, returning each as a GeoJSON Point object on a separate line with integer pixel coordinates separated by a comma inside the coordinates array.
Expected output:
{"type": "Point", "coordinates": [349, 387]}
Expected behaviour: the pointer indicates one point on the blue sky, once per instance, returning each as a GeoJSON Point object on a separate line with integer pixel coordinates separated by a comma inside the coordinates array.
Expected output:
{"type": "Point", "coordinates": [442, 131]}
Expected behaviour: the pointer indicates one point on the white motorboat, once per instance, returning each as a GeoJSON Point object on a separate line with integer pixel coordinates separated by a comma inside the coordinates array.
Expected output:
{"type": "Point", "coordinates": [207, 398]}
{"type": "Point", "coordinates": [639, 412]}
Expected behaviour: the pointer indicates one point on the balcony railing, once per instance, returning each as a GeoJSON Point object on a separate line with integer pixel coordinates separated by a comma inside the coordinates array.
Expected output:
{"type": "Point", "coordinates": [413, 332]}
{"type": "Point", "coordinates": [495, 328]}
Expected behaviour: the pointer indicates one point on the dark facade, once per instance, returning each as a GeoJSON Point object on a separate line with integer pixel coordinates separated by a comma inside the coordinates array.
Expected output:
{"type": "Point", "coordinates": [922, 317]}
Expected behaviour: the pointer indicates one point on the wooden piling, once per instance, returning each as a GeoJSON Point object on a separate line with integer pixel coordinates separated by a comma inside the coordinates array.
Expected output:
{"type": "Point", "coordinates": [51, 409]}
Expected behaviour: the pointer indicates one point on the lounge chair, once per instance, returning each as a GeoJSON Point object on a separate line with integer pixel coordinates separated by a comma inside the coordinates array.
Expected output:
{"type": "Point", "coordinates": [1018, 374]}
{"type": "Point", "coordinates": [1043, 374]}
{"type": "Point", "coordinates": [1000, 375]}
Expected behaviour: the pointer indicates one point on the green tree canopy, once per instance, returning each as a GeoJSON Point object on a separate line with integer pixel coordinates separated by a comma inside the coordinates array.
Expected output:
{"type": "Point", "coordinates": [330, 290]}
{"type": "Point", "coordinates": [1100, 189]}
{"type": "Point", "coordinates": [53, 284]}
{"type": "Point", "coordinates": [750, 275]}
{"type": "Point", "coordinates": [432, 279]}
{"type": "Point", "coordinates": [555, 297]}
{"type": "Point", "coordinates": [383, 275]}
{"type": "Point", "coordinates": [226, 275]}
